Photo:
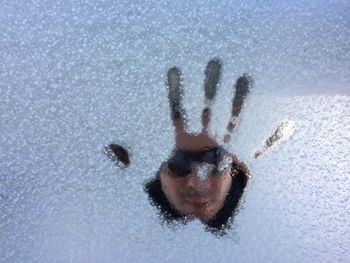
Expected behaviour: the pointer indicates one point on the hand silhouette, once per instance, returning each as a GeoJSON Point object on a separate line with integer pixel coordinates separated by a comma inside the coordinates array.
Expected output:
{"type": "Point", "coordinates": [200, 178]}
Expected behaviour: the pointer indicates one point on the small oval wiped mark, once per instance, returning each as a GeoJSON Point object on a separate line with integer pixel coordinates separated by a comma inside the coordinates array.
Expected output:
{"type": "Point", "coordinates": [118, 154]}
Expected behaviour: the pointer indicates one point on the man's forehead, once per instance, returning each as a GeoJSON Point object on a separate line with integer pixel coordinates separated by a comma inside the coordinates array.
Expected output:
{"type": "Point", "coordinates": [189, 142]}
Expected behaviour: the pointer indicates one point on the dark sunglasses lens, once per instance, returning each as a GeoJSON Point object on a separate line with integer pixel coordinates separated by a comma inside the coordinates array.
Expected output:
{"type": "Point", "coordinates": [213, 156]}
{"type": "Point", "coordinates": [179, 168]}
{"type": "Point", "coordinates": [179, 165]}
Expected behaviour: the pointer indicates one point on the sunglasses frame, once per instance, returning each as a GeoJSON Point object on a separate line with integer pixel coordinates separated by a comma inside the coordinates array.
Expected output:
{"type": "Point", "coordinates": [184, 161]}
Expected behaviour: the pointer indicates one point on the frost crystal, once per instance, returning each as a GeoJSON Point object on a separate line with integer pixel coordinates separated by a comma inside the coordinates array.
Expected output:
{"type": "Point", "coordinates": [203, 170]}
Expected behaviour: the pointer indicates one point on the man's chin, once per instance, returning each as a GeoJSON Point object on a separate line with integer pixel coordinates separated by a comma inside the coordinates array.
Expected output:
{"type": "Point", "coordinates": [205, 217]}
{"type": "Point", "coordinates": [202, 210]}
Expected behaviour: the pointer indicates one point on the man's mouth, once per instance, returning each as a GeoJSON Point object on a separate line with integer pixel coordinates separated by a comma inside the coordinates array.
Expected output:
{"type": "Point", "coordinates": [197, 203]}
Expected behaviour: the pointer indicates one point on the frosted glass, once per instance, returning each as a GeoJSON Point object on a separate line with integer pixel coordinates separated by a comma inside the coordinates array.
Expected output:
{"type": "Point", "coordinates": [78, 75]}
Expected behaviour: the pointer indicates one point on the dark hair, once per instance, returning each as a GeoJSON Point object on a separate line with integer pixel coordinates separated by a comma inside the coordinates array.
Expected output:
{"type": "Point", "coordinates": [222, 221]}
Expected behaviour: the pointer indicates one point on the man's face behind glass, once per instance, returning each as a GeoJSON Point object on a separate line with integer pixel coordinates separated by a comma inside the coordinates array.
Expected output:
{"type": "Point", "coordinates": [198, 193]}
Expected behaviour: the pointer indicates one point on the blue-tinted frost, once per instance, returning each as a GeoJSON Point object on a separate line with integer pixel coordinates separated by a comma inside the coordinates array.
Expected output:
{"type": "Point", "coordinates": [78, 75]}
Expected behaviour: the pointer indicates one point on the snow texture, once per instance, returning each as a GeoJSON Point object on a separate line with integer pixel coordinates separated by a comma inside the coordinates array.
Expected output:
{"type": "Point", "coordinates": [78, 75]}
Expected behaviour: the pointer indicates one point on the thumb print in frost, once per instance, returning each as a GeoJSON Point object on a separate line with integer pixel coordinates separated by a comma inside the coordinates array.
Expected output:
{"type": "Point", "coordinates": [201, 178]}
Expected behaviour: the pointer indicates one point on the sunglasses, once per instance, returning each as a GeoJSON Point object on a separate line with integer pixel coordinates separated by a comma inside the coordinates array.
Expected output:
{"type": "Point", "coordinates": [181, 162]}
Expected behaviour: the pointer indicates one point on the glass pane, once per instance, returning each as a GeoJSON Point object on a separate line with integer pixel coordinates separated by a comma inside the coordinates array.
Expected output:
{"type": "Point", "coordinates": [180, 131]}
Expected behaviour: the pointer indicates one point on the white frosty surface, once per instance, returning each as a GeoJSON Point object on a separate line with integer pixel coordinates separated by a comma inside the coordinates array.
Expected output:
{"type": "Point", "coordinates": [77, 75]}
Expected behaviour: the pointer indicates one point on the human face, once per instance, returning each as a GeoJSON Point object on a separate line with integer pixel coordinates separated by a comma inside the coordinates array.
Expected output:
{"type": "Point", "coordinates": [195, 194]}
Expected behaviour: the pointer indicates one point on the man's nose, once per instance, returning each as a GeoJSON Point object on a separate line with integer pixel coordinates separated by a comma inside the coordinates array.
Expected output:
{"type": "Point", "coordinates": [198, 178]}
{"type": "Point", "coordinates": [194, 181]}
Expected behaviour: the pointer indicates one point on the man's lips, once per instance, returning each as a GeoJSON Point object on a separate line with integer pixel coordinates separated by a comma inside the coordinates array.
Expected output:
{"type": "Point", "coordinates": [198, 203]}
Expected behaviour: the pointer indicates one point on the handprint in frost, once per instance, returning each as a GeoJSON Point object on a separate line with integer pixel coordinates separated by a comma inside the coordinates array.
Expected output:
{"type": "Point", "coordinates": [201, 178]}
